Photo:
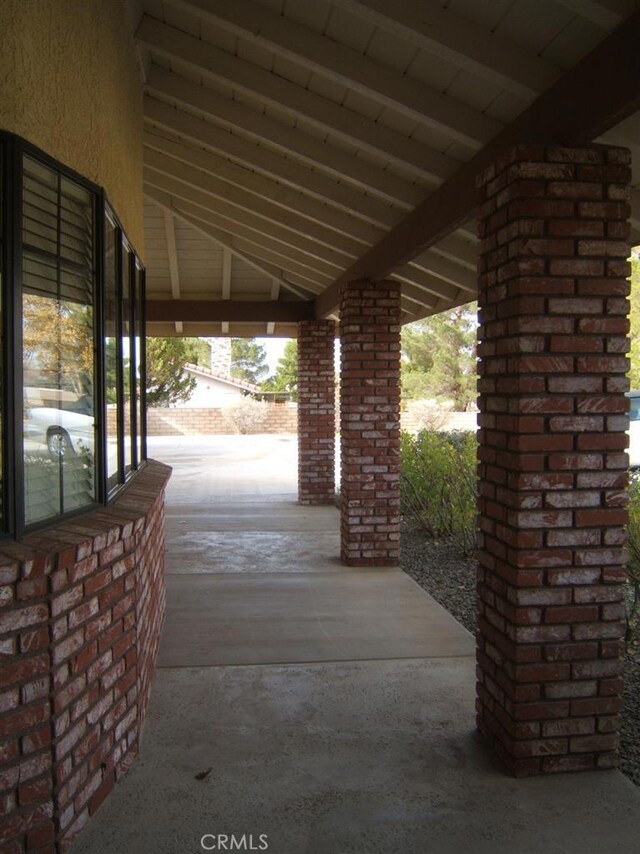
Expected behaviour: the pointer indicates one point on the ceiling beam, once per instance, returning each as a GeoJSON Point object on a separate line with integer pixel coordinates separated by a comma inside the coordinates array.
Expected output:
{"type": "Point", "coordinates": [172, 253]}
{"type": "Point", "coordinates": [327, 222]}
{"type": "Point", "coordinates": [243, 223]}
{"type": "Point", "coordinates": [228, 311]}
{"type": "Point", "coordinates": [597, 93]}
{"type": "Point", "coordinates": [187, 200]}
{"type": "Point", "coordinates": [261, 160]}
{"type": "Point", "coordinates": [294, 142]}
{"type": "Point", "coordinates": [450, 36]}
{"type": "Point", "coordinates": [242, 76]}
{"type": "Point", "coordinates": [165, 202]}
{"type": "Point", "coordinates": [604, 13]}
{"type": "Point", "coordinates": [210, 174]}
{"type": "Point", "coordinates": [348, 67]}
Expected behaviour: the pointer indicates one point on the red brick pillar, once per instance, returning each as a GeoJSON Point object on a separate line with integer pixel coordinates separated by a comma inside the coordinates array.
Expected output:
{"type": "Point", "coordinates": [553, 471]}
{"type": "Point", "coordinates": [316, 412]}
{"type": "Point", "coordinates": [370, 423]}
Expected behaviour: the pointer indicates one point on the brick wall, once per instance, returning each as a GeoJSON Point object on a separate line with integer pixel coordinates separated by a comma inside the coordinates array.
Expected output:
{"type": "Point", "coordinates": [370, 423]}
{"type": "Point", "coordinates": [316, 412]}
{"type": "Point", "coordinates": [552, 342]}
{"type": "Point", "coordinates": [280, 418]}
{"type": "Point", "coordinates": [82, 605]}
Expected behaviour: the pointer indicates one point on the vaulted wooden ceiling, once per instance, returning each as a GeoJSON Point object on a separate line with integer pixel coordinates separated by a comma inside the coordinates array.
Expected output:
{"type": "Point", "coordinates": [292, 144]}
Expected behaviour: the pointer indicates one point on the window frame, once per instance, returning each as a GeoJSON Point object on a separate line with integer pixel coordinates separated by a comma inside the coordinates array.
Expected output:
{"type": "Point", "coordinates": [13, 150]}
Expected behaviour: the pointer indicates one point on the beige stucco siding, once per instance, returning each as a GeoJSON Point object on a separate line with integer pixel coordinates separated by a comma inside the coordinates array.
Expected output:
{"type": "Point", "coordinates": [70, 84]}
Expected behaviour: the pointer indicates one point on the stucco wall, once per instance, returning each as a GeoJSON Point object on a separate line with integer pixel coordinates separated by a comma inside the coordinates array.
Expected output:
{"type": "Point", "coordinates": [70, 84]}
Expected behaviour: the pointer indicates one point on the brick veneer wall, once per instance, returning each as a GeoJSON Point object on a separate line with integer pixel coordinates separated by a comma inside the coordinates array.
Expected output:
{"type": "Point", "coordinates": [316, 412]}
{"type": "Point", "coordinates": [552, 465]}
{"type": "Point", "coordinates": [82, 606]}
{"type": "Point", "coordinates": [370, 423]}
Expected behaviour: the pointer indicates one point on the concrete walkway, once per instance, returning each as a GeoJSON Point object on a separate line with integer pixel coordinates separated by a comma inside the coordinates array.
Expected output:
{"type": "Point", "coordinates": [300, 706]}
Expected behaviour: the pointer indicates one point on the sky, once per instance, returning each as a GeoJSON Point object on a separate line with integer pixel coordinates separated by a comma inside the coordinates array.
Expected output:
{"type": "Point", "coordinates": [275, 349]}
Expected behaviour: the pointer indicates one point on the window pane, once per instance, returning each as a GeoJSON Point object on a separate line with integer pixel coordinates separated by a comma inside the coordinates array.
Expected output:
{"type": "Point", "coordinates": [139, 344]}
{"type": "Point", "coordinates": [2, 438]}
{"type": "Point", "coordinates": [58, 353]}
{"type": "Point", "coordinates": [126, 356]}
{"type": "Point", "coordinates": [112, 420]}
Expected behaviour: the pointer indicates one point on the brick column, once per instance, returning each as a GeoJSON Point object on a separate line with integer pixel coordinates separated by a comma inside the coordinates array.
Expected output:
{"type": "Point", "coordinates": [316, 412]}
{"type": "Point", "coordinates": [552, 466]}
{"type": "Point", "coordinates": [370, 423]}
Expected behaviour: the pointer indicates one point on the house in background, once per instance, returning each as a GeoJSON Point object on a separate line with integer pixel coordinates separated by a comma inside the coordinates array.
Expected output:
{"type": "Point", "coordinates": [216, 389]}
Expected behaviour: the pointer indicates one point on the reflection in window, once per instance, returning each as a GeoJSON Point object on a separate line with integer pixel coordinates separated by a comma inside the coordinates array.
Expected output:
{"type": "Point", "coordinates": [58, 354]}
{"type": "Point", "coordinates": [126, 356]}
{"type": "Point", "coordinates": [112, 420]}
{"type": "Point", "coordinates": [140, 361]}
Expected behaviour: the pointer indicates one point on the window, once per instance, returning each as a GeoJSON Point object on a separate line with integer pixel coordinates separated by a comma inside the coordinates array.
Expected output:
{"type": "Point", "coordinates": [112, 368]}
{"type": "Point", "coordinates": [71, 343]}
{"type": "Point", "coordinates": [58, 299]}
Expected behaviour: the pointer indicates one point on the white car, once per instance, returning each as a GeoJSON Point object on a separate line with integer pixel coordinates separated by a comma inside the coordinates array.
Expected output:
{"type": "Point", "coordinates": [634, 429]}
{"type": "Point", "coordinates": [62, 431]}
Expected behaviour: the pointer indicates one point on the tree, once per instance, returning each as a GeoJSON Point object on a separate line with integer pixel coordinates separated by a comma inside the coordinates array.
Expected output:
{"type": "Point", "coordinates": [286, 375]}
{"type": "Point", "coordinates": [248, 360]}
{"type": "Point", "coordinates": [439, 357]}
{"type": "Point", "coordinates": [167, 381]}
{"type": "Point", "coordinates": [198, 352]}
{"type": "Point", "coordinates": [634, 318]}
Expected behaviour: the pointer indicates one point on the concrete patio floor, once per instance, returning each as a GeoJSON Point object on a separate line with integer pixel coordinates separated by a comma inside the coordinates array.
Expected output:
{"type": "Point", "coordinates": [330, 709]}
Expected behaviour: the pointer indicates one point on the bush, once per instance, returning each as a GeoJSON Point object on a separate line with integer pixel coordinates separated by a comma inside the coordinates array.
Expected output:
{"type": "Point", "coordinates": [438, 484]}
{"type": "Point", "coordinates": [633, 565]}
{"type": "Point", "coordinates": [247, 415]}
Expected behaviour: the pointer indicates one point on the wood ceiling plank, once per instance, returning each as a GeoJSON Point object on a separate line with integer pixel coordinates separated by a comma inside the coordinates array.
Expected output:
{"type": "Point", "coordinates": [448, 35]}
{"type": "Point", "coordinates": [596, 94]}
{"type": "Point", "coordinates": [166, 202]}
{"type": "Point", "coordinates": [304, 180]}
{"type": "Point", "coordinates": [346, 66]}
{"type": "Point", "coordinates": [319, 112]}
{"type": "Point", "coordinates": [261, 196]}
{"type": "Point", "coordinates": [296, 143]}
{"type": "Point", "coordinates": [197, 204]}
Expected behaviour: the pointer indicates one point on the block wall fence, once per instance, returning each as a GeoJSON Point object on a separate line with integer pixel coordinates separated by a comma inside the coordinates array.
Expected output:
{"type": "Point", "coordinates": [82, 607]}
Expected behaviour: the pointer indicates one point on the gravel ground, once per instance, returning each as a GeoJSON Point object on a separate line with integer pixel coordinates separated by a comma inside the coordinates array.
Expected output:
{"type": "Point", "coordinates": [444, 572]}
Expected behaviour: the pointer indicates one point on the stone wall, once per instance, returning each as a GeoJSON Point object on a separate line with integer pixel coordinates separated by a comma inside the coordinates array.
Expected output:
{"type": "Point", "coordinates": [82, 607]}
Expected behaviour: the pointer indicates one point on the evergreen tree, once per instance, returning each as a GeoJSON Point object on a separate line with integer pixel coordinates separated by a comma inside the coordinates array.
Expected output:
{"type": "Point", "coordinates": [248, 360]}
{"type": "Point", "coordinates": [439, 357]}
{"type": "Point", "coordinates": [167, 381]}
{"type": "Point", "coordinates": [286, 375]}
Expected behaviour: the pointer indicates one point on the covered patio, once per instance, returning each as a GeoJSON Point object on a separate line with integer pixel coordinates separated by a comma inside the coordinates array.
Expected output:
{"type": "Point", "coordinates": [329, 709]}
{"type": "Point", "coordinates": [322, 169]}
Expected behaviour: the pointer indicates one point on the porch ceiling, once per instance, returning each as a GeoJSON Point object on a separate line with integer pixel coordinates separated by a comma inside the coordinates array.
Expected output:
{"type": "Point", "coordinates": [290, 144]}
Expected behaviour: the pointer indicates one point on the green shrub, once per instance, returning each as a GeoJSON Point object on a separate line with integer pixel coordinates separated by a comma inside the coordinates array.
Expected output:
{"type": "Point", "coordinates": [633, 565]}
{"type": "Point", "coordinates": [438, 484]}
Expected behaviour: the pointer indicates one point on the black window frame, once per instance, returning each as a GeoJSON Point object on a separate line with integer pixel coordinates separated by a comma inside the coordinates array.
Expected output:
{"type": "Point", "coordinates": [13, 150]}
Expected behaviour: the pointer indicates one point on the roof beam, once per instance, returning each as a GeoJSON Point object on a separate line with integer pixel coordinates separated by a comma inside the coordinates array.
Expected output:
{"type": "Point", "coordinates": [241, 222]}
{"type": "Point", "coordinates": [261, 197]}
{"type": "Point", "coordinates": [172, 252]}
{"type": "Point", "coordinates": [329, 221]}
{"type": "Point", "coordinates": [439, 31]}
{"type": "Point", "coordinates": [227, 311]}
{"type": "Point", "coordinates": [597, 93]}
{"type": "Point", "coordinates": [604, 13]}
{"type": "Point", "coordinates": [165, 202]}
{"type": "Point", "coordinates": [293, 142]}
{"type": "Point", "coordinates": [348, 67]}
{"type": "Point", "coordinates": [260, 159]}
{"type": "Point", "coordinates": [242, 76]}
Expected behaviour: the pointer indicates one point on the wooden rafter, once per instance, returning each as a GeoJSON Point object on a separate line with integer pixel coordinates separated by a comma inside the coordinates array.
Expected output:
{"type": "Point", "coordinates": [348, 67]}
{"type": "Point", "coordinates": [597, 93]}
